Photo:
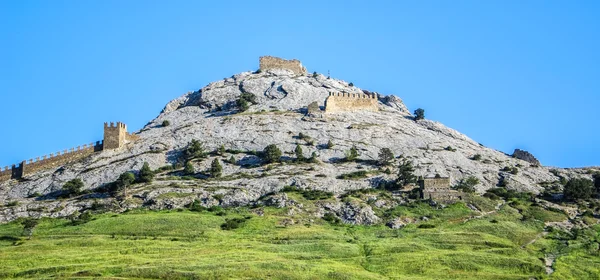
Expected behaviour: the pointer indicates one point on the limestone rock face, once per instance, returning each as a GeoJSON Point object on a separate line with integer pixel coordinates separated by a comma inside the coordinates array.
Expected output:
{"type": "Point", "coordinates": [526, 156]}
{"type": "Point", "coordinates": [209, 115]}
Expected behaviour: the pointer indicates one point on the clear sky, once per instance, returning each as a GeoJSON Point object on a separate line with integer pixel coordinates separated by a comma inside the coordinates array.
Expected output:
{"type": "Point", "coordinates": [509, 74]}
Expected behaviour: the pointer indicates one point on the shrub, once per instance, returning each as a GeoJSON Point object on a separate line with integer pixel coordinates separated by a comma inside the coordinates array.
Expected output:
{"type": "Point", "coordinates": [419, 114]}
{"type": "Point", "coordinates": [271, 154]}
{"type": "Point", "coordinates": [351, 84]}
{"type": "Point", "coordinates": [314, 158]}
{"type": "Point", "coordinates": [72, 187]}
{"type": "Point", "coordinates": [242, 105]}
{"type": "Point", "coordinates": [81, 219]}
{"type": "Point", "coordinates": [476, 157]}
{"type": "Point", "coordinates": [123, 182]}
{"type": "Point", "coordinates": [576, 189]}
{"type": "Point", "coordinates": [354, 175]}
{"type": "Point", "coordinates": [385, 156]}
{"type": "Point", "coordinates": [405, 174]}
{"type": "Point", "coordinates": [316, 194]}
{"type": "Point", "coordinates": [314, 75]}
{"type": "Point", "coordinates": [426, 226]}
{"type": "Point", "coordinates": [215, 168]}
{"type": "Point", "coordinates": [221, 150]}
{"type": "Point", "coordinates": [299, 154]}
{"type": "Point", "coordinates": [29, 225]}
{"type": "Point", "coordinates": [166, 123]}
{"type": "Point", "coordinates": [597, 183]}
{"type": "Point", "coordinates": [233, 223]}
{"type": "Point", "coordinates": [330, 144]}
{"type": "Point", "coordinates": [352, 154]}
{"type": "Point", "coordinates": [468, 185]}
{"type": "Point", "coordinates": [245, 100]}
{"type": "Point", "coordinates": [231, 160]}
{"type": "Point", "coordinates": [12, 203]}
{"type": "Point", "coordinates": [196, 206]}
{"type": "Point", "coordinates": [331, 218]}
{"type": "Point", "coordinates": [449, 148]}
{"type": "Point", "coordinates": [146, 175]}
{"type": "Point", "coordinates": [189, 169]}
{"type": "Point", "coordinates": [194, 150]}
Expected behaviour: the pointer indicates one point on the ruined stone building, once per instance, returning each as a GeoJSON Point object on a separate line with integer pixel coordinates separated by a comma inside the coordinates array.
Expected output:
{"type": "Point", "coordinates": [115, 137]}
{"type": "Point", "coordinates": [438, 189]}
{"type": "Point", "coordinates": [270, 62]}
{"type": "Point", "coordinates": [350, 102]}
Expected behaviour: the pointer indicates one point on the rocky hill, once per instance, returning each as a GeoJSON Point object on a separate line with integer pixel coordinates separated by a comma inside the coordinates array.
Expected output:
{"type": "Point", "coordinates": [279, 116]}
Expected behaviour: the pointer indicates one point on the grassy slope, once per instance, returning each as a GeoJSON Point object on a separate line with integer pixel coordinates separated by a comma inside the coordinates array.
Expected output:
{"type": "Point", "coordinates": [187, 245]}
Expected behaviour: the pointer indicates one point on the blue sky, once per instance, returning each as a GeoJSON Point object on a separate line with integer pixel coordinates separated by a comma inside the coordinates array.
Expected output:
{"type": "Point", "coordinates": [509, 74]}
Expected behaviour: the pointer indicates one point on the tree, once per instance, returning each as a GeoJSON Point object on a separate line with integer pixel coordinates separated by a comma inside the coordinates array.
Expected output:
{"type": "Point", "coordinates": [231, 160]}
{"type": "Point", "coordinates": [468, 185]}
{"type": "Point", "coordinates": [330, 144]}
{"type": "Point", "coordinates": [194, 150]}
{"type": "Point", "coordinates": [29, 225]}
{"type": "Point", "coordinates": [215, 168]}
{"type": "Point", "coordinates": [576, 189]}
{"type": "Point", "coordinates": [245, 100]}
{"type": "Point", "coordinates": [124, 181]}
{"type": "Point", "coordinates": [271, 154]}
{"type": "Point", "coordinates": [419, 114]}
{"type": "Point", "coordinates": [385, 156]}
{"type": "Point", "coordinates": [242, 104]}
{"type": "Point", "coordinates": [299, 154]}
{"type": "Point", "coordinates": [221, 150]}
{"type": "Point", "coordinates": [351, 84]}
{"type": "Point", "coordinates": [405, 174]}
{"type": "Point", "coordinates": [72, 187]}
{"type": "Point", "coordinates": [166, 123]}
{"type": "Point", "coordinates": [189, 169]}
{"type": "Point", "coordinates": [352, 154]}
{"type": "Point", "coordinates": [315, 74]}
{"type": "Point", "coordinates": [146, 174]}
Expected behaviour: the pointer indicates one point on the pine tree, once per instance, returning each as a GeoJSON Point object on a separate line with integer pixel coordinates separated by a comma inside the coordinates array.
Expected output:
{"type": "Point", "coordinates": [405, 174]}
{"type": "Point", "coordinates": [419, 114]}
{"type": "Point", "coordinates": [221, 150]}
{"type": "Point", "coordinates": [271, 154]}
{"type": "Point", "coordinates": [215, 168]}
{"type": "Point", "coordinates": [146, 174]}
{"type": "Point", "coordinates": [352, 154]}
{"type": "Point", "coordinates": [299, 154]}
{"type": "Point", "coordinates": [189, 169]}
{"type": "Point", "coordinates": [385, 156]}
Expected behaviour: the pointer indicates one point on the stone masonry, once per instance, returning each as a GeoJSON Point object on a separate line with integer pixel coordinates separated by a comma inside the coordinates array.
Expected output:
{"type": "Point", "coordinates": [270, 62]}
{"type": "Point", "coordinates": [115, 136]}
{"type": "Point", "coordinates": [438, 189]}
{"type": "Point", "coordinates": [350, 102]}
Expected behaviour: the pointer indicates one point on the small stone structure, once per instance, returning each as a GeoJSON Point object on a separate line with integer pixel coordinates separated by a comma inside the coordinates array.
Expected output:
{"type": "Point", "coordinates": [115, 136]}
{"type": "Point", "coordinates": [438, 189]}
{"type": "Point", "coordinates": [350, 102]}
{"type": "Point", "coordinates": [271, 62]}
{"type": "Point", "coordinates": [526, 156]}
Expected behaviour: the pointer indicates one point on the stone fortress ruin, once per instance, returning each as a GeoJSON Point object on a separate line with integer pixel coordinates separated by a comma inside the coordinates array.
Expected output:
{"type": "Point", "coordinates": [438, 189]}
{"type": "Point", "coordinates": [115, 137]}
{"type": "Point", "coordinates": [350, 102]}
{"type": "Point", "coordinates": [271, 62]}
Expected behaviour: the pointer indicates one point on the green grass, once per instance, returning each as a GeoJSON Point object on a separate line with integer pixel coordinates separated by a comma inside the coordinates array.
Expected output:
{"type": "Point", "coordinates": [193, 245]}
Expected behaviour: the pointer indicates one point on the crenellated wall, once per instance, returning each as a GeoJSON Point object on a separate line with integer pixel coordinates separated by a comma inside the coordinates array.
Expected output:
{"type": "Point", "coordinates": [350, 102]}
{"type": "Point", "coordinates": [115, 136]}
{"type": "Point", "coordinates": [271, 62]}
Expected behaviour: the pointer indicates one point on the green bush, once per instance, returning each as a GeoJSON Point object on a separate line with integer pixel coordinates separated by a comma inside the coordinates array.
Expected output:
{"type": "Point", "coordinates": [577, 189]}
{"type": "Point", "coordinates": [233, 223]}
{"type": "Point", "coordinates": [72, 187]}
{"type": "Point", "coordinates": [314, 75]}
{"type": "Point", "coordinates": [351, 84]}
{"type": "Point", "coordinates": [449, 148]}
{"type": "Point", "coordinates": [468, 185]}
{"type": "Point", "coordinates": [29, 225]}
{"type": "Point", "coordinates": [189, 169]}
{"type": "Point", "coordinates": [123, 182]}
{"type": "Point", "coordinates": [354, 175]}
{"type": "Point", "coordinates": [476, 157]}
{"type": "Point", "coordinates": [331, 218]}
{"type": "Point", "coordinates": [352, 154]}
{"type": "Point", "coordinates": [221, 150]}
{"type": "Point", "coordinates": [314, 158]}
{"type": "Point", "coordinates": [426, 226]}
{"type": "Point", "coordinates": [146, 175]}
{"type": "Point", "coordinates": [330, 144]}
{"type": "Point", "coordinates": [271, 154]}
{"type": "Point", "coordinates": [419, 114]}
{"type": "Point", "coordinates": [245, 100]}
{"type": "Point", "coordinates": [12, 203]}
{"type": "Point", "coordinates": [231, 160]}
{"type": "Point", "coordinates": [166, 123]}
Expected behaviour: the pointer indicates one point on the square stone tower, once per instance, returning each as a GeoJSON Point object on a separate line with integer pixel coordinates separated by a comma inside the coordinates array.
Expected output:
{"type": "Point", "coordinates": [114, 136]}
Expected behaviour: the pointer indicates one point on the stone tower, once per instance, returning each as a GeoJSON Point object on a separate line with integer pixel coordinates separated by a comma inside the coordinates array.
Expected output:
{"type": "Point", "coordinates": [114, 136]}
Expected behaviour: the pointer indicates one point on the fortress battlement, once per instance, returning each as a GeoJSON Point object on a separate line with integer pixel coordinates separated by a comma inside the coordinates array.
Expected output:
{"type": "Point", "coordinates": [271, 62]}
{"type": "Point", "coordinates": [115, 136]}
{"type": "Point", "coordinates": [350, 102]}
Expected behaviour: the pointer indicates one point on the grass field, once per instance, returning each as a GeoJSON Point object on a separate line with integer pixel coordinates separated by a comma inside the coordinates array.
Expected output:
{"type": "Point", "coordinates": [191, 245]}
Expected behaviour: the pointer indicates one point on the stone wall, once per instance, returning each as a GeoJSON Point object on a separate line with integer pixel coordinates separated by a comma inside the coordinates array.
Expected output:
{"type": "Point", "coordinates": [115, 136]}
{"type": "Point", "coordinates": [350, 102]}
{"type": "Point", "coordinates": [439, 189]}
{"type": "Point", "coordinates": [270, 62]}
